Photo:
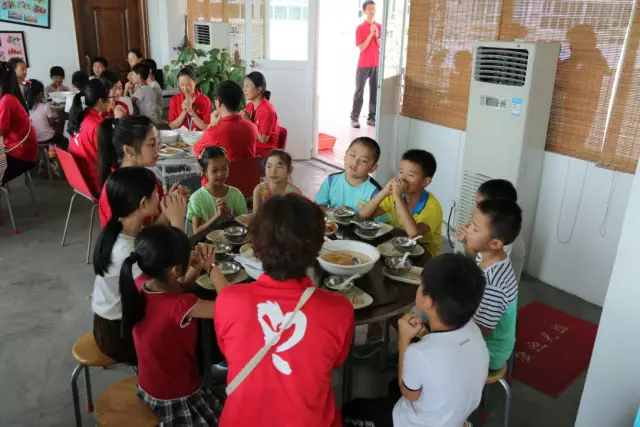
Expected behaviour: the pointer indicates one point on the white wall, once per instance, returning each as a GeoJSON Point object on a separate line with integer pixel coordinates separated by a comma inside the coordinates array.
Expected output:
{"type": "Point", "coordinates": [581, 267]}
{"type": "Point", "coordinates": [166, 28]}
{"type": "Point", "coordinates": [611, 395]}
{"type": "Point", "coordinates": [54, 46]}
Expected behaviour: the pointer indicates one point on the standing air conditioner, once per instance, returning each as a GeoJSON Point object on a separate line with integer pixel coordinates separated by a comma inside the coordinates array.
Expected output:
{"type": "Point", "coordinates": [509, 107]}
{"type": "Point", "coordinates": [209, 35]}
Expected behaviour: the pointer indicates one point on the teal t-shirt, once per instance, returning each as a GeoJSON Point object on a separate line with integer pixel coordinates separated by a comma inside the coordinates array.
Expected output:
{"type": "Point", "coordinates": [202, 203]}
{"type": "Point", "coordinates": [336, 191]}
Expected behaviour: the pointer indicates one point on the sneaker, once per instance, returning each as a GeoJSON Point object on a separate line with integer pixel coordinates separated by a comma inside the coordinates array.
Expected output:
{"type": "Point", "coordinates": [371, 122]}
{"type": "Point", "coordinates": [368, 349]}
{"type": "Point", "coordinates": [222, 366]}
{"type": "Point", "coordinates": [355, 124]}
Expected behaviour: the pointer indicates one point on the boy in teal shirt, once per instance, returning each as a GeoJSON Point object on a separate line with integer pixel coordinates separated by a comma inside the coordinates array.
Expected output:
{"type": "Point", "coordinates": [496, 223]}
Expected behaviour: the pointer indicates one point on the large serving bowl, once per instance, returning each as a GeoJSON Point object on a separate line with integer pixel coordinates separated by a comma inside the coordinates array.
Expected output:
{"type": "Point", "coordinates": [191, 137]}
{"type": "Point", "coordinates": [169, 136]}
{"type": "Point", "coordinates": [353, 246]}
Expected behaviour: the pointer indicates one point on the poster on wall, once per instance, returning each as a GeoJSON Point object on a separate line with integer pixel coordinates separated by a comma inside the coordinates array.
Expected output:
{"type": "Point", "coordinates": [12, 45]}
{"type": "Point", "coordinates": [35, 13]}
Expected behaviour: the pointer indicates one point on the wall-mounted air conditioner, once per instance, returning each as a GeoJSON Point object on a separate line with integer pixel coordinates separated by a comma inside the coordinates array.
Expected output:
{"type": "Point", "coordinates": [209, 35]}
{"type": "Point", "coordinates": [509, 106]}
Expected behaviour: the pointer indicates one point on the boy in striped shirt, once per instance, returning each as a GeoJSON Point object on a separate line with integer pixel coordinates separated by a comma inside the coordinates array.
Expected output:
{"type": "Point", "coordinates": [496, 223]}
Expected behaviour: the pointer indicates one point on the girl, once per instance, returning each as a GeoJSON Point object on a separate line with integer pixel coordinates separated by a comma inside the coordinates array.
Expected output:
{"type": "Point", "coordinates": [123, 105]}
{"type": "Point", "coordinates": [134, 56]}
{"type": "Point", "coordinates": [156, 80]}
{"type": "Point", "coordinates": [20, 141]}
{"type": "Point", "coordinates": [261, 112]}
{"type": "Point", "coordinates": [189, 108]}
{"type": "Point", "coordinates": [99, 66]}
{"type": "Point", "coordinates": [278, 169]}
{"type": "Point", "coordinates": [160, 314]}
{"type": "Point", "coordinates": [83, 128]}
{"type": "Point", "coordinates": [214, 200]}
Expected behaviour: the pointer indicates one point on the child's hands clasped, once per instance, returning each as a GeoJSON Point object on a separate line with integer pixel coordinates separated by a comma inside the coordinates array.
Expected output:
{"type": "Point", "coordinates": [223, 208]}
{"type": "Point", "coordinates": [398, 187]}
{"type": "Point", "coordinates": [180, 190]}
{"type": "Point", "coordinates": [174, 206]}
{"type": "Point", "coordinates": [411, 326]}
{"type": "Point", "coordinates": [203, 256]}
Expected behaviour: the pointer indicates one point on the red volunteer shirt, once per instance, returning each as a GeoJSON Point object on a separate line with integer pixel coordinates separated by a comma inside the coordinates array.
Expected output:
{"type": "Point", "coordinates": [201, 105]}
{"type": "Point", "coordinates": [14, 126]}
{"type": "Point", "coordinates": [84, 147]}
{"type": "Point", "coordinates": [265, 118]}
{"type": "Point", "coordinates": [292, 383]}
{"type": "Point", "coordinates": [125, 106]}
{"type": "Point", "coordinates": [237, 136]}
{"type": "Point", "coordinates": [165, 341]}
{"type": "Point", "coordinates": [370, 57]}
{"type": "Point", "coordinates": [104, 210]}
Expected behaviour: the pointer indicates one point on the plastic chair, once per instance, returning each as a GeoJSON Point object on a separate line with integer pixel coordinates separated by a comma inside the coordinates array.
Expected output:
{"type": "Point", "coordinates": [4, 189]}
{"type": "Point", "coordinates": [119, 405]}
{"type": "Point", "coordinates": [80, 188]}
{"type": "Point", "coordinates": [244, 174]}
{"type": "Point", "coordinates": [282, 138]}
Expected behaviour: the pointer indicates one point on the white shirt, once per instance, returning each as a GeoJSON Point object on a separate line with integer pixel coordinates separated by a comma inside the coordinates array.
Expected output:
{"type": "Point", "coordinates": [450, 368]}
{"type": "Point", "coordinates": [147, 102]}
{"type": "Point", "coordinates": [157, 90]}
{"type": "Point", "coordinates": [69, 102]}
{"type": "Point", "coordinates": [106, 289]}
{"type": "Point", "coordinates": [40, 116]}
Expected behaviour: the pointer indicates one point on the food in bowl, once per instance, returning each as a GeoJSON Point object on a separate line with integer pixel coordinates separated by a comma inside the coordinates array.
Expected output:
{"type": "Point", "coordinates": [169, 136]}
{"type": "Point", "coordinates": [191, 137]}
{"type": "Point", "coordinates": [403, 244]}
{"type": "Point", "coordinates": [369, 228]}
{"type": "Point", "coordinates": [236, 234]}
{"type": "Point", "coordinates": [345, 257]}
{"type": "Point", "coordinates": [180, 145]}
{"type": "Point", "coordinates": [366, 254]}
{"type": "Point", "coordinates": [169, 151]}
{"type": "Point", "coordinates": [397, 267]}
{"type": "Point", "coordinates": [330, 227]}
{"type": "Point", "coordinates": [336, 283]}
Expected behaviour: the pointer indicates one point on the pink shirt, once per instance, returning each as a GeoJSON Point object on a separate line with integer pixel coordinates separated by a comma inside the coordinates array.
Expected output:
{"type": "Point", "coordinates": [370, 57]}
{"type": "Point", "coordinates": [40, 116]}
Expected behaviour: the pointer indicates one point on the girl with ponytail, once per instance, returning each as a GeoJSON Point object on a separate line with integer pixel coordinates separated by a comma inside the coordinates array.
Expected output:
{"type": "Point", "coordinates": [159, 313]}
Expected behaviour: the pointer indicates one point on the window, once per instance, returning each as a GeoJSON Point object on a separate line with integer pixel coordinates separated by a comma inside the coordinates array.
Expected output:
{"type": "Point", "coordinates": [280, 13]}
{"type": "Point", "coordinates": [295, 13]}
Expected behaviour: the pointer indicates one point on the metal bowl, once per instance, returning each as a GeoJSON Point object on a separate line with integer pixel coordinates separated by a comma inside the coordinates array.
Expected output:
{"type": "Point", "coordinates": [229, 268]}
{"type": "Point", "coordinates": [394, 265]}
{"type": "Point", "coordinates": [236, 234]}
{"type": "Point", "coordinates": [222, 248]}
{"type": "Point", "coordinates": [335, 283]}
{"type": "Point", "coordinates": [403, 244]}
{"type": "Point", "coordinates": [344, 215]}
{"type": "Point", "coordinates": [368, 228]}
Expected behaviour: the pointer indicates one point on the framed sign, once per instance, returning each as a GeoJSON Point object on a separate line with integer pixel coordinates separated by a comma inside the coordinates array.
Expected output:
{"type": "Point", "coordinates": [12, 45]}
{"type": "Point", "coordinates": [35, 13]}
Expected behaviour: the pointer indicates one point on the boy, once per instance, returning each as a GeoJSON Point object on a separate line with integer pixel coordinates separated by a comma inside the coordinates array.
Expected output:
{"type": "Point", "coordinates": [57, 79]}
{"type": "Point", "coordinates": [228, 129]}
{"type": "Point", "coordinates": [99, 66]}
{"type": "Point", "coordinates": [496, 223]}
{"type": "Point", "coordinates": [412, 208]}
{"type": "Point", "coordinates": [495, 189]}
{"type": "Point", "coordinates": [353, 187]}
{"type": "Point", "coordinates": [144, 98]}
{"type": "Point", "coordinates": [442, 375]}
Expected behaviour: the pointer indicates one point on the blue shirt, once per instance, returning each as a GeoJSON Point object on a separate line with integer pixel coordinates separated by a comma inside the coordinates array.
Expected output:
{"type": "Point", "coordinates": [336, 191]}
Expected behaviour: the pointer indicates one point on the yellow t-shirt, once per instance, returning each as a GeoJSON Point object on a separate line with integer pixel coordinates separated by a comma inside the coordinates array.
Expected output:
{"type": "Point", "coordinates": [427, 211]}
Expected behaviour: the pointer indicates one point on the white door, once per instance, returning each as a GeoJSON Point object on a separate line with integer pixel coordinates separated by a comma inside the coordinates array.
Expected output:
{"type": "Point", "coordinates": [280, 42]}
{"type": "Point", "coordinates": [392, 59]}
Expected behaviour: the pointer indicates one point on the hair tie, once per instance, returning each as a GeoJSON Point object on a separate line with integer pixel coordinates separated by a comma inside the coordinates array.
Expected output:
{"type": "Point", "coordinates": [134, 256]}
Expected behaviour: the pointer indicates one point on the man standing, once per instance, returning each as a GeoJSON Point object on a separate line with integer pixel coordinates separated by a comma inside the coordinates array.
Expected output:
{"type": "Point", "coordinates": [368, 41]}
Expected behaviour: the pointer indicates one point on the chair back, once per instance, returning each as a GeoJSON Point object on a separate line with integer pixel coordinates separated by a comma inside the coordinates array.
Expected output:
{"type": "Point", "coordinates": [73, 174]}
{"type": "Point", "coordinates": [244, 174]}
{"type": "Point", "coordinates": [282, 138]}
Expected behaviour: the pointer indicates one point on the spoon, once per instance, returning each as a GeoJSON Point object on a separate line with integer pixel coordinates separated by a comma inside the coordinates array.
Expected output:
{"type": "Point", "coordinates": [347, 282]}
{"type": "Point", "coordinates": [354, 260]}
{"type": "Point", "coordinates": [415, 239]}
{"type": "Point", "coordinates": [404, 259]}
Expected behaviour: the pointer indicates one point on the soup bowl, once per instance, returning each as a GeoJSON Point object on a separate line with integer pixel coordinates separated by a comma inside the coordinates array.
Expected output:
{"type": "Point", "coordinates": [368, 228]}
{"type": "Point", "coordinates": [355, 248]}
{"type": "Point", "coordinates": [236, 235]}
{"type": "Point", "coordinates": [344, 215]}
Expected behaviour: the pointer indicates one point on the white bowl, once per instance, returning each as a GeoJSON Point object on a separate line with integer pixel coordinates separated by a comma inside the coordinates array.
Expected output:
{"type": "Point", "coordinates": [60, 96]}
{"type": "Point", "coordinates": [169, 136]}
{"type": "Point", "coordinates": [191, 137]}
{"type": "Point", "coordinates": [349, 245]}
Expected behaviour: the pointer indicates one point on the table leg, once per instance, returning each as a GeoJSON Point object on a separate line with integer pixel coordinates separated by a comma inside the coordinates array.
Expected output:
{"type": "Point", "coordinates": [384, 350]}
{"type": "Point", "coordinates": [205, 339]}
{"type": "Point", "coordinates": [347, 373]}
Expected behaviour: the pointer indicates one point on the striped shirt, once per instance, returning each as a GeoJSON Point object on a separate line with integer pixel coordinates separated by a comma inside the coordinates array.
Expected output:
{"type": "Point", "coordinates": [500, 291]}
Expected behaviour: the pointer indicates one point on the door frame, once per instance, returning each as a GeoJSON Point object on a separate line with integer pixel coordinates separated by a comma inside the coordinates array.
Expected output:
{"type": "Point", "coordinates": [143, 20]}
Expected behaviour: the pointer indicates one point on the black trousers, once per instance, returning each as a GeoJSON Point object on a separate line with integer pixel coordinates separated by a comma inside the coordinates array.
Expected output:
{"type": "Point", "coordinates": [362, 75]}
{"type": "Point", "coordinates": [15, 168]}
{"type": "Point", "coordinates": [376, 412]}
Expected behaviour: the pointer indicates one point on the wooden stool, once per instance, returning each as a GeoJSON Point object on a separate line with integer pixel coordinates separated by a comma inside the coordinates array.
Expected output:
{"type": "Point", "coordinates": [87, 354]}
{"type": "Point", "coordinates": [119, 406]}
{"type": "Point", "coordinates": [499, 376]}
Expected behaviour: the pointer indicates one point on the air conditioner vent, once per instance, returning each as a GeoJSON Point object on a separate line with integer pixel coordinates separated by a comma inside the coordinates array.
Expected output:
{"type": "Point", "coordinates": [470, 184]}
{"type": "Point", "coordinates": [501, 66]}
{"type": "Point", "coordinates": [202, 33]}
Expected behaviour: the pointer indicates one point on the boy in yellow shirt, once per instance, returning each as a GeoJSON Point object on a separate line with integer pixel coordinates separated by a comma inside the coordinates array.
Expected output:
{"type": "Point", "coordinates": [411, 207]}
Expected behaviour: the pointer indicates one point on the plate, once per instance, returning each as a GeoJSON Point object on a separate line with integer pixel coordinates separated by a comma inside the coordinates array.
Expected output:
{"type": "Point", "coordinates": [386, 249]}
{"type": "Point", "coordinates": [218, 236]}
{"type": "Point", "coordinates": [244, 219]}
{"type": "Point", "coordinates": [204, 281]}
{"type": "Point", "coordinates": [412, 276]}
{"type": "Point", "coordinates": [384, 229]}
{"type": "Point", "coordinates": [170, 152]}
{"type": "Point", "coordinates": [180, 145]}
{"type": "Point", "coordinates": [246, 251]}
{"type": "Point", "coordinates": [357, 297]}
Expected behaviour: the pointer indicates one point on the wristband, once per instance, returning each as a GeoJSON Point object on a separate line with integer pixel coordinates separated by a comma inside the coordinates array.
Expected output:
{"type": "Point", "coordinates": [210, 269]}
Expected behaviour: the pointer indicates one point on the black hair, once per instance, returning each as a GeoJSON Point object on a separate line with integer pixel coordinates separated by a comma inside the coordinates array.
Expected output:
{"type": "Point", "coordinates": [80, 79]}
{"type": "Point", "coordinates": [157, 249]}
{"type": "Point", "coordinates": [135, 51]}
{"type": "Point", "coordinates": [15, 61]}
{"type": "Point", "coordinates": [367, 3]}
{"type": "Point", "coordinates": [142, 70]}
{"type": "Point", "coordinates": [101, 60]}
{"type": "Point", "coordinates": [108, 79]}
{"type": "Point", "coordinates": [9, 83]}
{"type": "Point", "coordinates": [282, 155]}
{"type": "Point", "coordinates": [113, 135]}
{"type": "Point", "coordinates": [188, 72]}
{"type": "Point", "coordinates": [211, 152]}
{"type": "Point", "coordinates": [456, 284]}
{"type": "Point", "coordinates": [287, 234]}
{"type": "Point", "coordinates": [158, 74]}
{"type": "Point", "coordinates": [56, 71]}
{"type": "Point", "coordinates": [371, 144]}
{"type": "Point", "coordinates": [505, 218]}
{"type": "Point", "coordinates": [32, 91]}
{"type": "Point", "coordinates": [125, 189]}
{"type": "Point", "coordinates": [498, 189]}
{"type": "Point", "coordinates": [93, 92]}
{"type": "Point", "coordinates": [258, 80]}
{"type": "Point", "coordinates": [230, 94]}
{"type": "Point", "coordinates": [424, 159]}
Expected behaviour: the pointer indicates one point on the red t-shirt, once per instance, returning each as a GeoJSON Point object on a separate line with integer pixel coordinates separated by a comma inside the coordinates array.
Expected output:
{"type": "Point", "coordinates": [370, 57]}
{"type": "Point", "coordinates": [125, 106]}
{"type": "Point", "coordinates": [14, 125]}
{"type": "Point", "coordinates": [266, 119]}
{"type": "Point", "coordinates": [84, 148]}
{"type": "Point", "coordinates": [292, 383]}
{"type": "Point", "coordinates": [201, 105]}
{"type": "Point", "coordinates": [104, 210]}
{"type": "Point", "coordinates": [237, 136]}
{"type": "Point", "coordinates": [165, 341]}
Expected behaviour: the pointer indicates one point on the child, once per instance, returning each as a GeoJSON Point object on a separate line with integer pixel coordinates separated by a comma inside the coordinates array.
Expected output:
{"type": "Point", "coordinates": [79, 81]}
{"type": "Point", "coordinates": [214, 200]}
{"type": "Point", "coordinates": [99, 66]}
{"type": "Point", "coordinates": [158, 311]}
{"type": "Point", "coordinates": [156, 80]}
{"type": "Point", "coordinates": [353, 187]}
{"type": "Point", "coordinates": [496, 223]}
{"type": "Point", "coordinates": [495, 189]}
{"type": "Point", "coordinates": [144, 98]}
{"type": "Point", "coordinates": [20, 68]}
{"type": "Point", "coordinates": [412, 208]}
{"type": "Point", "coordinates": [278, 169]}
{"type": "Point", "coordinates": [122, 105]}
{"type": "Point", "coordinates": [441, 374]}
{"type": "Point", "coordinates": [57, 79]}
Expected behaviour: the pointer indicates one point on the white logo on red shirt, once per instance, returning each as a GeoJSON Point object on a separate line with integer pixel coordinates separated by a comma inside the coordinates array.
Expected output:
{"type": "Point", "coordinates": [271, 319]}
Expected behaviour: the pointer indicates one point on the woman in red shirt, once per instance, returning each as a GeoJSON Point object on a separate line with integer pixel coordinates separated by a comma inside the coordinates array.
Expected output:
{"type": "Point", "coordinates": [261, 112]}
{"type": "Point", "coordinates": [189, 108]}
{"type": "Point", "coordinates": [113, 84]}
{"type": "Point", "coordinates": [83, 129]}
{"type": "Point", "coordinates": [21, 144]}
{"type": "Point", "coordinates": [292, 383]}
